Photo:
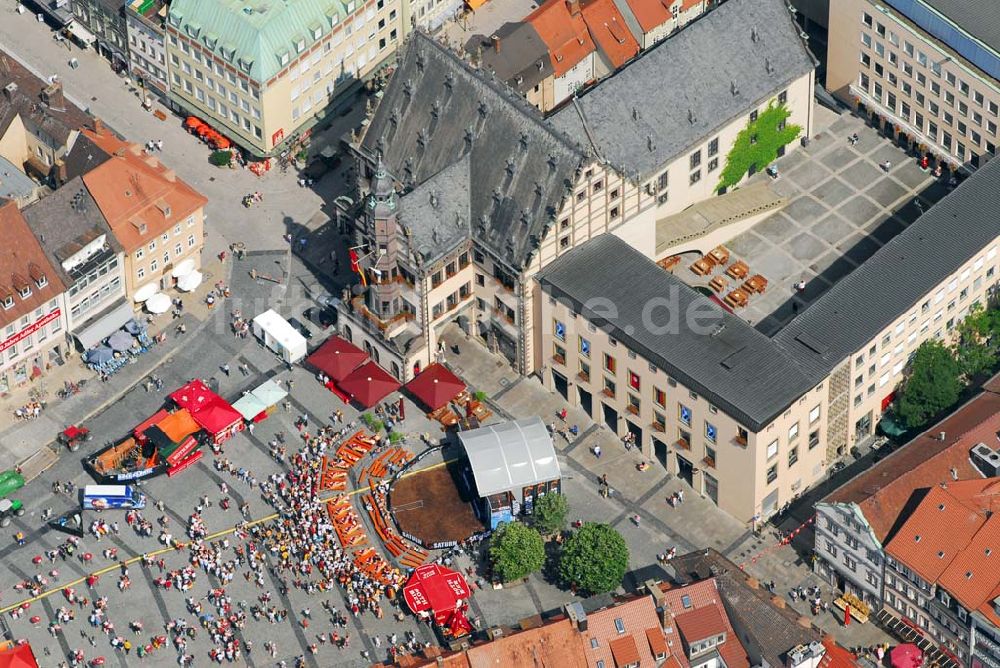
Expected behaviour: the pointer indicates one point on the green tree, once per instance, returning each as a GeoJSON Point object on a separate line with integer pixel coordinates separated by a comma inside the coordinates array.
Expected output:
{"type": "Point", "coordinates": [977, 347]}
{"type": "Point", "coordinates": [594, 559]}
{"type": "Point", "coordinates": [550, 512]}
{"type": "Point", "coordinates": [934, 384]}
{"type": "Point", "coordinates": [516, 551]}
{"type": "Point", "coordinates": [220, 158]}
{"type": "Point", "coordinates": [757, 144]}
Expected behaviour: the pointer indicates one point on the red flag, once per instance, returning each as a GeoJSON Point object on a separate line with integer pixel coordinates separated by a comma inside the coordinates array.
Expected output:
{"type": "Point", "coordinates": [402, 411]}
{"type": "Point", "coordinates": [847, 615]}
{"type": "Point", "coordinates": [355, 266]}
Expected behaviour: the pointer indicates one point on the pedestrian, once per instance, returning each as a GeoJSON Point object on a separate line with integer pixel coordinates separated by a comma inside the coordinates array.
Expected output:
{"type": "Point", "coordinates": [597, 451]}
{"type": "Point", "coordinates": [288, 406]}
{"type": "Point", "coordinates": [159, 144]}
{"type": "Point", "coordinates": [225, 369]}
{"type": "Point", "coordinates": [250, 428]}
{"type": "Point", "coordinates": [245, 368]}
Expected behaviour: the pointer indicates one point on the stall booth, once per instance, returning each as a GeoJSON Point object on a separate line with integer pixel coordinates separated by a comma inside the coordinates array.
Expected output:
{"type": "Point", "coordinates": [259, 403]}
{"type": "Point", "coordinates": [441, 594]}
{"type": "Point", "coordinates": [212, 413]}
{"type": "Point", "coordinates": [513, 464]}
{"type": "Point", "coordinates": [278, 335]}
{"type": "Point", "coordinates": [158, 445]}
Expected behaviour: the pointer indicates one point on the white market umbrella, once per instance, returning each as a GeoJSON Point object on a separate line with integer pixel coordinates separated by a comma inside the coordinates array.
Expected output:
{"type": "Point", "coordinates": [189, 282]}
{"type": "Point", "coordinates": [183, 269]}
{"type": "Point", "coordinates": [145, 292]}
{"type": "Point", "coordinates": [158, 303]}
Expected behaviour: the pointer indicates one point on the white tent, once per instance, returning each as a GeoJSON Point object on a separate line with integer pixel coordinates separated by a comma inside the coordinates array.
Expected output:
{"type": "Point", "coordinates": [275, 332]}
{"type": "Point", "coordinates": [183, 269]}
{"type": "Point", "coordinates": [509, 456]}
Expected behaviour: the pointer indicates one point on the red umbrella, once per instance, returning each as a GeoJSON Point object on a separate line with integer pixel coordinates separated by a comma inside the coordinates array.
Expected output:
{"type": "Point", "coordinates": [368, 384]}
{"type": "Point", "coordinates": [337, 357]}
{"type": "Point", "coordinates": [25, 605]}
{"type": "Point", "coordinates": [37, 559]}
{"type": "Point", "coordinates": [35, 619]}
{"type": "Point", "coordinates": [435, 386]}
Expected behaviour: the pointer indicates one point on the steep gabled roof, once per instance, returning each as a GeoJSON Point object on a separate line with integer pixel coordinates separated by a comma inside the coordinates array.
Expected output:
{"type": "Point", "coordinates": [564, 32]}
{"type": "Point", "coordinates": [437, 110]}
{"type": "Point", "coordinates": [21, 259]}
{"type": "Point", "coordinates": [609, 30]}
{"type": "Point", "coordinates": [687, 87]}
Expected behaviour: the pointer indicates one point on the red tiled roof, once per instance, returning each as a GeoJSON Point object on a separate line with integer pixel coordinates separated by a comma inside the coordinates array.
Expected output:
{"type": "Point", "coordinates": [638, 618]}
{"type": "Point", "coordinates": [836, 656]}
{"type": "Point", "coordinates": [657, 643]}
{"type": "Point", "coordinates": [650, 13]}
{"type": "Point", "coordinates": [701, 623]}
{"type": "Point", "coordinates": [934, 534]}
{"type": "Point", "coordinates": [703, 594]}
{"type": "Point", "coordinates": [974, 574]}
{"type": "Point", "coordinates": [133, 191]}
{"type": "Point", "coordinates": [564, 33]}
{"type": "Point", "coordinates": [608, 29]}
{"type": "Point", "coordinates": [883, 492]}
{"type": "Point", "coordinates": [624, 651]}
{"type": "Point", "coordinates": [20, 251]}
{"type": "Point", "coordinates": [555, 644]}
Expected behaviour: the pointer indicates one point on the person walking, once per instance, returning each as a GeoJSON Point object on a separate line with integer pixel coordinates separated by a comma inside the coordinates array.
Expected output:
{"type": "Point", "coordinates": [225, 369]}
{"type": "Point", "coordinates": [597, 451]}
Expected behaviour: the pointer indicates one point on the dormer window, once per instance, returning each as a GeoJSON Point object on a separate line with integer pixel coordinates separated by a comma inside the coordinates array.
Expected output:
{"type": "Point", "coordinates": [7, 302]}
{"type": "Point", "coordinates": [300, 46]}
{"type": "Point", "coordinates": [24, 291]}
{"type": "Point", "coordinates": [41, 282]}
{"type": "Point", "coordinates": [283, 58]}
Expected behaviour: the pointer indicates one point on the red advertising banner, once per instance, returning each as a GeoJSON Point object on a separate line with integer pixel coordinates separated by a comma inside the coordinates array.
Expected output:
{"type": "Point", "coordinates": [29, 330]}
{"type": "Point", "coordinates": [174, 470]}
{"type": "Point", "coordinates": [182, 451]}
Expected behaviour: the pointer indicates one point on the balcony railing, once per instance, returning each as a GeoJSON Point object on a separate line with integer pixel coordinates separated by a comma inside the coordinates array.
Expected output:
{"type": "Point", "coordinates": [740, 440]}
{"type": "Point", "coordinates": [709, 462]}
{"type": "Point", "coordinates": [381, 324]}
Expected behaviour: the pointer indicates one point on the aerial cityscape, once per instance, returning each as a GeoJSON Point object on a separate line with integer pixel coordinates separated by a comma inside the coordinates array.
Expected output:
{"type": "Point", "coordinates": [528, 333]}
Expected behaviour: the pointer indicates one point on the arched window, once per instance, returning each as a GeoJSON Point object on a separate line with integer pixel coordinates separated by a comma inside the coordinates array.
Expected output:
{"type": "Point", "coordinates": [347, 333]}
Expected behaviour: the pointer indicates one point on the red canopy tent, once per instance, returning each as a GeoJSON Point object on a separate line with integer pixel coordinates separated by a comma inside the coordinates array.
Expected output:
{"type": "Point", "coordinates": [337, 357]}
{"type": "Point", "coordinates": [194, 396]}
{"type": "Point", "coordinates": [442, 592]}
{"type": "Point", "coordinates": [17, 656]}
{"type": "Point", "coordinates": [435, 386]}
{"type": "Point", "coordinates": [209, 410]}
{"type": "Point", "coordinates": [368, 384]}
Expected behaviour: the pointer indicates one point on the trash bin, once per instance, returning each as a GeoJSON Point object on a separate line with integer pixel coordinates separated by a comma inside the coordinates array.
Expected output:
{"type": "Point", "coordinates": [804, 141]}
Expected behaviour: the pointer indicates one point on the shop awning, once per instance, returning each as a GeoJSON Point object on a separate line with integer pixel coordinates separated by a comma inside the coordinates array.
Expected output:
{"type": "Point", "coordinates": [337, 357]}
{"type": "Point", "coordinates": [435, 386]}
{"type": "Point", "coordinates": [81, 33]}
{"type": "Point", "coordinates": [96, 330]}
{"type": "Point", "coordinates": [368, 384]}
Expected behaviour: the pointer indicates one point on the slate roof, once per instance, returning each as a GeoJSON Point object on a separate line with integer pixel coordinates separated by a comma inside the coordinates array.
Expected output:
{"type": "Point", "coordinates": [83, 156]}
{"type": "Point", "coordinates": [523, 58]}
{"type": "Point", "coordinates": [436, 109]}
{"type": "Point", "coordinates": [686, 85]}
{"type": "Point", "coordinates": [979, 18]}
{"type": "Point", "coordinates": [66, 221]}
{"type": "Point", "coordinates": [899, 275]}
{"type": "Point", "coordinates": [14, 184]}
{"type": "Point", "coordinates": [722, 357]}
{"type": "Point", "coordinates": [766, 629]}
{"type": "Point", "coordinates": [435, 214]}
{"type": "Point", "coordinates": [26, 101]}
{"type": "Point", "coordinates": [256, 32]}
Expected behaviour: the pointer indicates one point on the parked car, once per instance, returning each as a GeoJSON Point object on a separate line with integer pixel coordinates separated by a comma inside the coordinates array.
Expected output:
{"type": "Point", "coordinates": [323, 317]}
{"type": "Point", "coordinates": [303, 330]}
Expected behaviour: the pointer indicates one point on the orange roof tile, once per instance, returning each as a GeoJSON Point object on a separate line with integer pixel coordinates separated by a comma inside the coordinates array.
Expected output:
{"type": "Point", "coordinates": [650, 13]}
{"type": "Point", "coordinates": [883, 492]}
{"type": "Point", "coordinates": [564, 33]}
{"type": "Point", "coordinates": [140, 198]}
{"type": "Point", "coordinates": [607, 27]}
{"type": "Point", "coordinates": [701, 623]}
{"type": "Point", "coordinates": [624, 651]}
{"type": "Point", "coordinates": [836, 656]}
{"type": "Point", "coordinates": [21, 257]}
{"type": "Point", "coordinates": [701, 594]}
{"type": "Point", "coordinates": [636, 617]}
{"type": "Point", "coordinates": [555, 644]}
{"type": "Point", "coordinates": [657, 643]}
{"type": "Point", "coordinates": [934, 534]}
{"type": "Point", "coordinates": [974, 574]}
{"type": "Point", "coordinates": [687, 5]}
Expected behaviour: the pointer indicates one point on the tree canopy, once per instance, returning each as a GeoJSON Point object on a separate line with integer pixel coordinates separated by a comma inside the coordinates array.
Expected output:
{"type": "Point", "coordinates": [550, 512]}
{"type": "Point", "coordinates": [594, 559]}
{"type": "Point", "coordinates": [934, 384]}
{"type": "Point", "coordinates": [516, 551]}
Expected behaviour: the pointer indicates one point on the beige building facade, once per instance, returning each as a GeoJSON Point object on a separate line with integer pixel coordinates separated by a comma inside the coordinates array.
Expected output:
{"type": "Point", "coordinates": [920, 88]}
{"type": "Point", "coordinates": [263, 74]}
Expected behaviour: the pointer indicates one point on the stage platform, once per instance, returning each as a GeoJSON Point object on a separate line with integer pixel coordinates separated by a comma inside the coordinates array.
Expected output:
{"type": "Point", "coordinates": [429, 506]}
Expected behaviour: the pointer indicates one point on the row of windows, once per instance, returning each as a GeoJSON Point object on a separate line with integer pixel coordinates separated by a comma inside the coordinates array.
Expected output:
{"type": "Point", "coordinates": [92, 277]}
{"type": "Point", "coordinates": [89, 302]}
{"type": "Point", "coordinates": [452, 301]}
{"type": "Point", "coordinates": [39, 336]}
{"type": "Point", "coordinates": [154, 265]}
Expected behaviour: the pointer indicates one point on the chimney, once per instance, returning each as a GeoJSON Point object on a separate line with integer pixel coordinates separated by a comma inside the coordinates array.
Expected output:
{"type": "Point", "coordinates": [9, 90]}
{"type": "Point", "coordinates": [53, 97]}
{"type": "Point", "coordinates": [98, 127]}
{"type": "Point", "coordinates": [942, 435]}
{"type": "Point", "coordinates": [495, 39]}
{"type": "Point", "coordinates": [61, 172]}
{"type": "Point", "coordinates": [574, 7]}
{"type": "Point", "coordinates": [169, 175]}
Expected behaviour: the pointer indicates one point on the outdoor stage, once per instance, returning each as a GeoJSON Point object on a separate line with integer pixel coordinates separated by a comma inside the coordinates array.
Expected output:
{"type": "Point", "coordinates": [428, 506]}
